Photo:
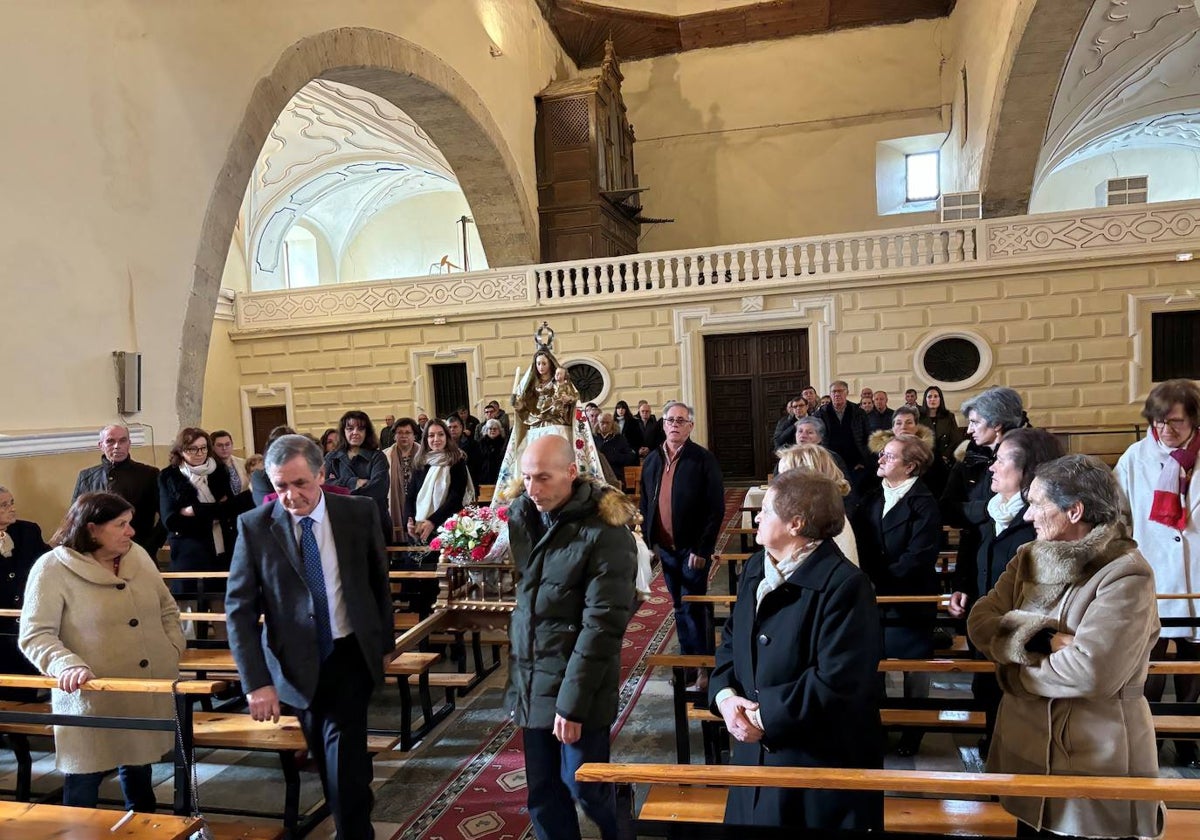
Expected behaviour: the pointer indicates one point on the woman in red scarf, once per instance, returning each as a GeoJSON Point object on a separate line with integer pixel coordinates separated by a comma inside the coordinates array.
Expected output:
{"type": "Point", "coordinates": [1158, 475]}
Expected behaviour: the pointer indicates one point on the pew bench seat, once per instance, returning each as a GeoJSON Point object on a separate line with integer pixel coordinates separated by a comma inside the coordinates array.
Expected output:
{"type": "Point", "coordinates": [955, 817]}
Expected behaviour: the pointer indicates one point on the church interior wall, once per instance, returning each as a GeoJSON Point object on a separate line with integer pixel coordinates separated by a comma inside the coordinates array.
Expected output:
{"type": "Point", "coordinates": [768, 140]}
{"type": "Point", "coordinates": [1174, 173]}
{"type": "Point", "coordinates": [408, 238]}
{"type": "Point", "coordinates": [977, 41]}
{"type": "Point", "coordinates": [127, 112]}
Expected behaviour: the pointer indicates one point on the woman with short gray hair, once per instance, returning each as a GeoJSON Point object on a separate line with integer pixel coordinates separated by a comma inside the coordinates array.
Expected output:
{"type": "Point", "coordinates": [1070, 625]}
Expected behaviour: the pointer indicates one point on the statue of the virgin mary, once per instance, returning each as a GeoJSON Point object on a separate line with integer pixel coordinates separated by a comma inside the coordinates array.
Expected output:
{"type": "Point", "coordinates": [545, 403]}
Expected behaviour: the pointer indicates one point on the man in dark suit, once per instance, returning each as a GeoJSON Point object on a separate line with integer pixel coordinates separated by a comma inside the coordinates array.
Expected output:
{"type": "Point", "coordinates": [134, 482]}
{"type": "Point", "coordinates": [315, 566]}
{"type": "Point", "coordinates": [683, 506]}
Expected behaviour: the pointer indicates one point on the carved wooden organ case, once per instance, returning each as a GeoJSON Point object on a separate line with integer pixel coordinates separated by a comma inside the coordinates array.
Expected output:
{"type": "Point", "coordinates": [587, 187]}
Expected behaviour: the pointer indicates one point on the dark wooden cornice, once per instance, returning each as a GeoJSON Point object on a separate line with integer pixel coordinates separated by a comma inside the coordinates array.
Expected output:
{"type": "Point", "coordinates": [583, 27]}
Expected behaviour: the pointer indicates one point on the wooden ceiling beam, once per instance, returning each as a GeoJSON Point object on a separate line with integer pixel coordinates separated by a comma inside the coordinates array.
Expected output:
{"type": "Point", "coordinates": [582, 27]}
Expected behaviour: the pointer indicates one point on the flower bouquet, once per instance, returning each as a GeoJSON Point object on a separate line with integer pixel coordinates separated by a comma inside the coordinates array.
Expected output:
{"type": "Point", "coordinates": [476, 534]}
{"type": "Point", "coordinates": [477, 538]}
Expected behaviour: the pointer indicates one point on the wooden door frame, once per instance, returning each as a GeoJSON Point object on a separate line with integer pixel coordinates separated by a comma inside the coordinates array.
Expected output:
{"type": "Point", "coordinates": [818, 314]}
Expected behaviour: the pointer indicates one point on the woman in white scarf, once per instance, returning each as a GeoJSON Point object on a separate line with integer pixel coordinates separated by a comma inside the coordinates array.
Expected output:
{"type": "Point", "coordinates": [1017, 458]}
{"type": "Point", "coordinates": [198, 508]}
{"type": "Point", "coordinates": [440, 485]}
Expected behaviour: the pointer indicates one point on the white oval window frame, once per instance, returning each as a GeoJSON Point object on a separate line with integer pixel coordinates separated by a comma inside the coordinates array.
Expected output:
{"type": "Point", "coordinates": [986, 359]}
{"type": "Point", "coordinates": [605, 376]}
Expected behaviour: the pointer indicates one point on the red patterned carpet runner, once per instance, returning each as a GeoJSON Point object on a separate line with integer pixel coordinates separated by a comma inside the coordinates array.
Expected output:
{"type": "Point", "coordinates": [485, 798]}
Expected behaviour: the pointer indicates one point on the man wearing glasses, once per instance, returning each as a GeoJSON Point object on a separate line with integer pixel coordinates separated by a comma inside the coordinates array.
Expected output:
{"type": "Point", "coordinates": [683, 505]}
{"type": "Point", "coordinates": [134, 482]}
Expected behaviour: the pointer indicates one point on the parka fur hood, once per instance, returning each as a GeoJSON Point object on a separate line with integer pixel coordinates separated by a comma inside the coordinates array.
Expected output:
{"type": "Point", "coordinates": [883, 437]}
{"type": "Point", "coordinates": [1049, 568]}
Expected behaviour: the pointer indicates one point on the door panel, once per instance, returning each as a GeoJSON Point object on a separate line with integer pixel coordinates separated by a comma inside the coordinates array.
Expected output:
{"type": "Point", "coordinates": [750, 378]}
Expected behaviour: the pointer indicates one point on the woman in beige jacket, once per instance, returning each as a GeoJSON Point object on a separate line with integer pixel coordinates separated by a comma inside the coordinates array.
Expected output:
{"type": "Point", "coordinates": [1070, 624]}
{"type": "Point", "coordinates": [96, 606]}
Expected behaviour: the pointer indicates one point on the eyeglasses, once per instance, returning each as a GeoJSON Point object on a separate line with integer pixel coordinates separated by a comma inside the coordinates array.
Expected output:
{"type": "Point", "coordinates": [9, 505]}
{"type": "Point", "coordinates": [196, 450]}
{"type": "Point", "coordinates": [1179, 424]}
{"type": "Point", "coordinates": [676, 421]}
{"type": "Point", "coordinates": [888, 456]}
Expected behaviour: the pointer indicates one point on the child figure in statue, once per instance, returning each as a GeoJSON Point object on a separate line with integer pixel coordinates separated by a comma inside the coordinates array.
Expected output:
{"type": "Point", "coordinates": [544, 401]}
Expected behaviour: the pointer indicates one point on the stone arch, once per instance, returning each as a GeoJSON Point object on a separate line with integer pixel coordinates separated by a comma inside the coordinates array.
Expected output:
{"type": "Point", "coordinates": [432, 92]}
{"type": "Point", "coordinates": [1020, 126]}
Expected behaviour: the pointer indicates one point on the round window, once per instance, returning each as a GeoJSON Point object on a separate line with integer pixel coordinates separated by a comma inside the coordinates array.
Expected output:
{"type": "Point", "coordinates": [955, 360]}
{"type": "Point", "coordinates": [952, 359]}
{"type": "Point", "coordinates": [588, 381]}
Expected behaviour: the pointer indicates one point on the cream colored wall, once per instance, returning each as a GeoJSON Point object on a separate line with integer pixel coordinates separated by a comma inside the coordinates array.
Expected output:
{"type": "Point", "coordinates": [982, 36]}
{"type": "Point", "coordinates": [1061, 338]}
{"type": "Point", "coordinates": [143, 99]}
{"type": "Point", "coordinates": [777, 139]}
{"type": "Point", "coordinates": [42, 486]}
{"type": "Point", "coordinates": [1174, 174]}
{"type": "Point", "coordinates": [406, 238]}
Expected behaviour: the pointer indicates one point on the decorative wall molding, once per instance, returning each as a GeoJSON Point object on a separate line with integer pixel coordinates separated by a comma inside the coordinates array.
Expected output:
{"type": "Point", "coordinates": [419, 362]}
{"type": "Point", "coordinates": [225, 305]}
{"type": "Point", "coordinates": [263, 396]}
{"type": "Point", "coordinates": [817, 314]}
{"type": "Point", "coordinates": [1108, 228]}
{"type": "Point", "coordinates": [986, 359]}
{"type": "Point", "coordinates": [744, 273]}
{"type": "Point", "coordinates": [389, 300]}
{"type": "Point", "coordinates": [56, 443]}
{"type": "Point", "coordinates": [1140, 308]}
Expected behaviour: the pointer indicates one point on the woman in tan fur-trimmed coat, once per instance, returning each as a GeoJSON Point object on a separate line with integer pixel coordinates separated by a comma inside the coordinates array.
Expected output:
{"type": "Point", "coordinates": [97, 606]}
{"type": "Point", "coordinates": [1070, 625]}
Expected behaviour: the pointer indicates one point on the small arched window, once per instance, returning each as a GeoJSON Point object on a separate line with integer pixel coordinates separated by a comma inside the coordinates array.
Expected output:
{"type": "Point", "coordinates": [300, 266]}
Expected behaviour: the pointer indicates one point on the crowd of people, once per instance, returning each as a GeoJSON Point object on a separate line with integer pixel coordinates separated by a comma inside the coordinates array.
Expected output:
{"type": "Point", "coordinates": [1059, 562]}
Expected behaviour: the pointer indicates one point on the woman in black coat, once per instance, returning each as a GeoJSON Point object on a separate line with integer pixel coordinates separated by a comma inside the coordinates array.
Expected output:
{"type": "Point", "coordinates": [21, 545]}
{"type": "Point", "coordinates": [1017, 458]}
{"type": "Point", "coordinates": [359, 465]}
{"type": "Point", "coordinates": [899, 530]}
{"type": "Point", "coordinates": [490, 452]}
{"type": "Point", "coordinates": [198, 508]}
{"type": "Point", "coordinates": [939, 419]}
{"type": "Point", "coordinates": [796, 673]}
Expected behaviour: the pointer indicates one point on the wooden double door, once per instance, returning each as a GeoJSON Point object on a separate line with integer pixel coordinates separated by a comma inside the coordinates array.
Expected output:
{"type": "Point", "coordinates": [750, 379]}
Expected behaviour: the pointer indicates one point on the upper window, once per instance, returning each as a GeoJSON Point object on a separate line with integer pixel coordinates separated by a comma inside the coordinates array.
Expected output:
{"type": "Point", "coordinates": [921, 176]}
{"type": "Point", "coordinates": [300, 268]}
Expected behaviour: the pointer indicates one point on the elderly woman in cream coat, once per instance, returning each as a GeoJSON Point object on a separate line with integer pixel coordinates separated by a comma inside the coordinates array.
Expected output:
{"type": "Point", "coordinates": [1070, 624]}
{"type": "Point", "coordinates": [96, 606]}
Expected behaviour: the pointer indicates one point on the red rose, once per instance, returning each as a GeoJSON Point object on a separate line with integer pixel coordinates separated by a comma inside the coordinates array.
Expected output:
{"type": "Point", "coordinates": [478, 552]}
{"type": "Point", "coordinates": [502, 514]}
{"type": "Point", "coordinates": [436, 544]}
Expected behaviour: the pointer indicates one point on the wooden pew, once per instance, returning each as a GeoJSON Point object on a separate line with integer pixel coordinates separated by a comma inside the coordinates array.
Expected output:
{"type": "Point", "coordinates": [633, 479]}
{"type": "Point", "coordinates": [20, 716]}
{"type": "Point", "coordinates": [676, 798]}
{"type": "Point", "coordinates": [26, 821]}
{"type": "Point", "coordinates": [930, 715]}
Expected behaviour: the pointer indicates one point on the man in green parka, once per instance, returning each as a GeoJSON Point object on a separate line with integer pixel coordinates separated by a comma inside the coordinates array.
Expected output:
{"type": "Point", "coordinates": [575, 561]}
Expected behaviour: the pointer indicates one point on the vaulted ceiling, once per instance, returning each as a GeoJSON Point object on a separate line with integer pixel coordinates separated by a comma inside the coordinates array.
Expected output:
{"type": "Point", "coordinates": [646, 28]}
